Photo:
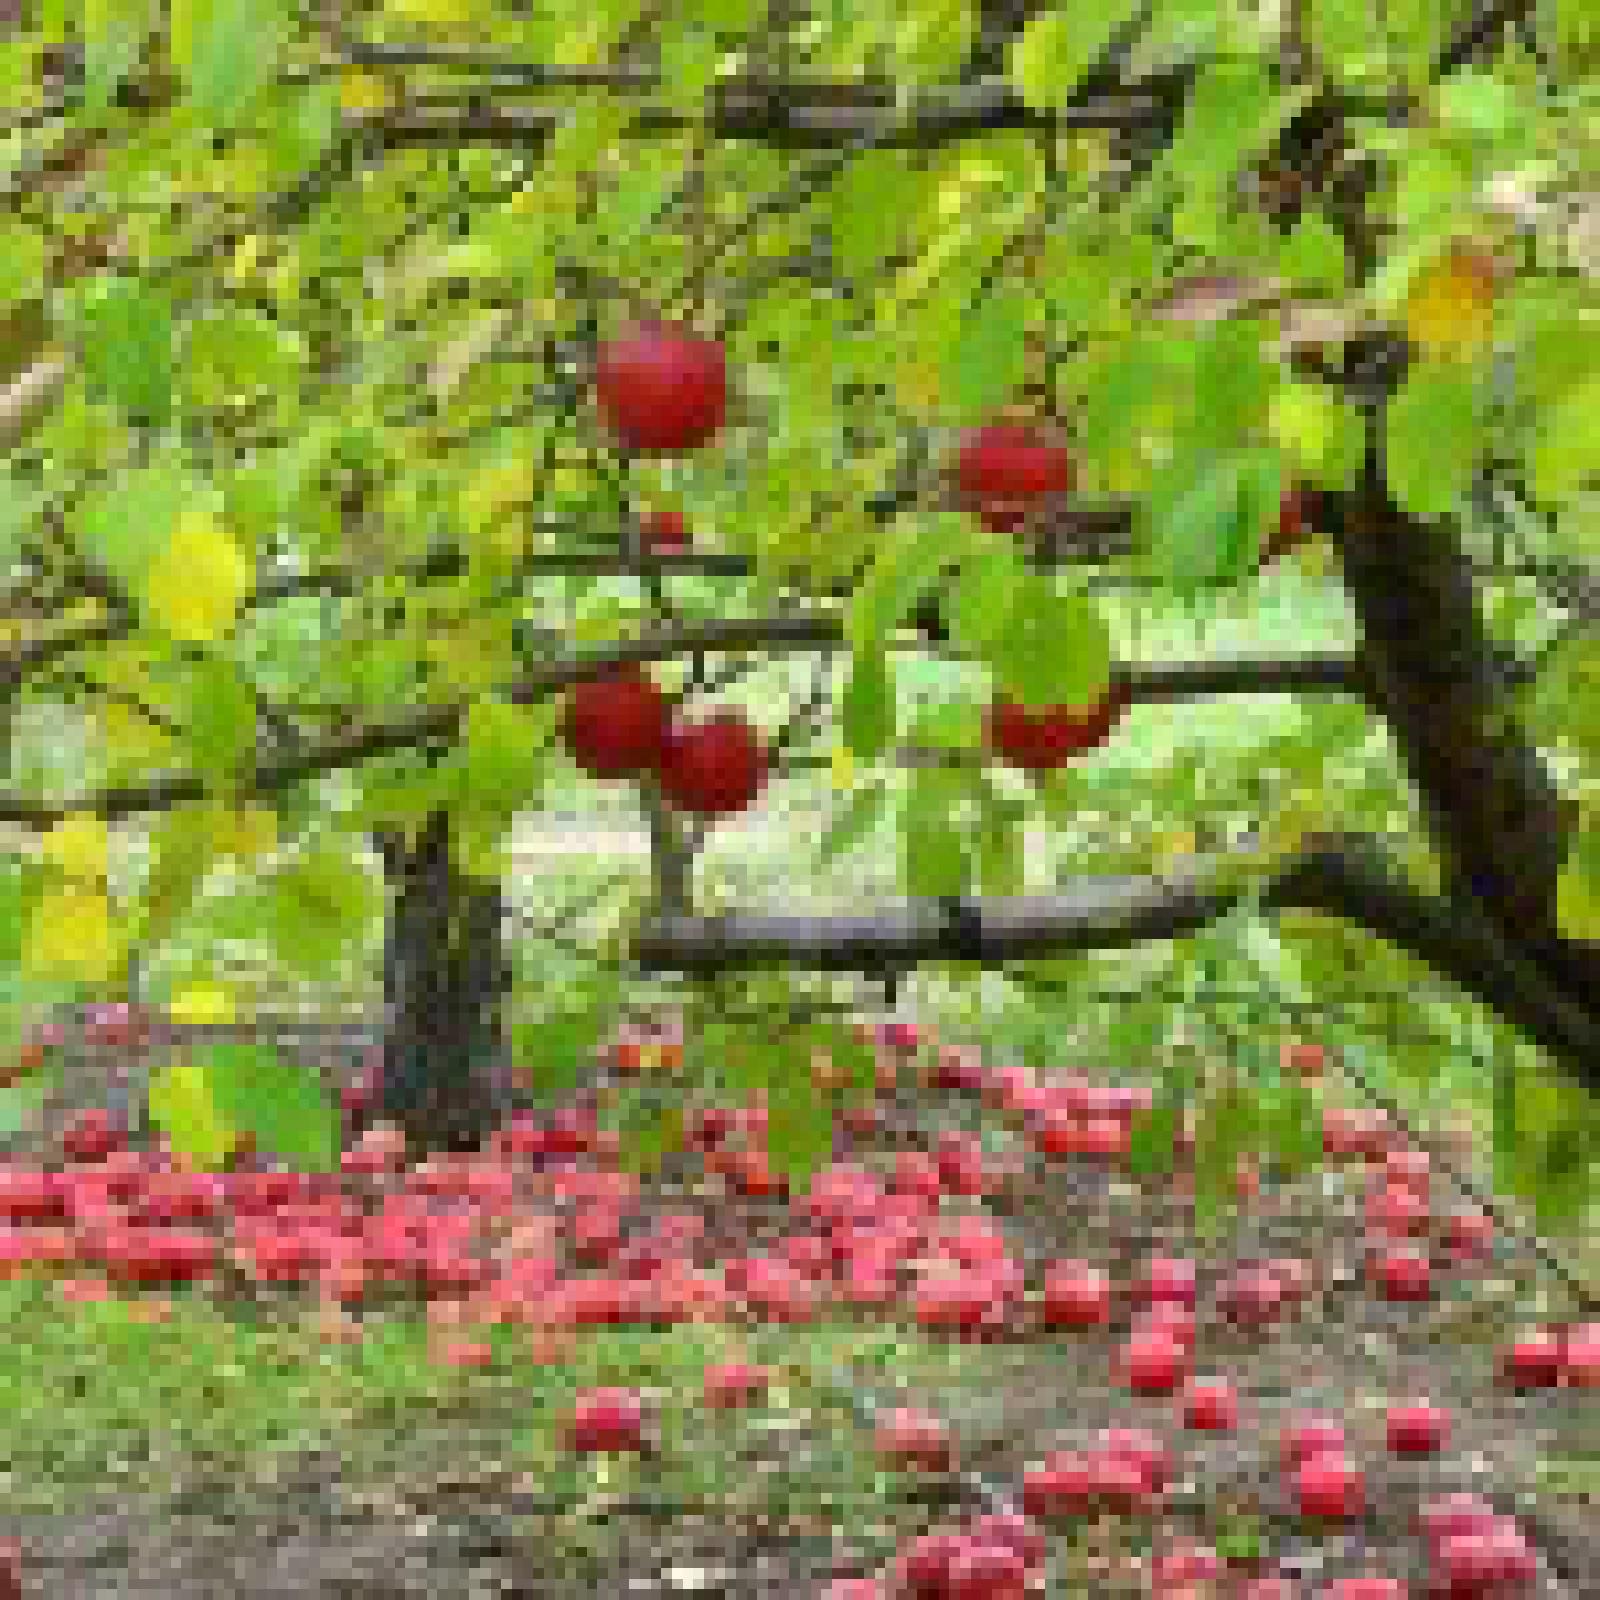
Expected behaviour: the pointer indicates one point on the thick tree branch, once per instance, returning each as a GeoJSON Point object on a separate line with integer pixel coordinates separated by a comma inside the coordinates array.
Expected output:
{"type": "Point", "coordinates": [770, 634]}
{"type": "Point", "coordinates": [1344, 877]}
{"type": "Point", "coordinates": [786, 115]}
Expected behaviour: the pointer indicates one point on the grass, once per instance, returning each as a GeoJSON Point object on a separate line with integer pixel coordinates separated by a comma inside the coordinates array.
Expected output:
{"type": "Point", "coordinates": [92, 1392]}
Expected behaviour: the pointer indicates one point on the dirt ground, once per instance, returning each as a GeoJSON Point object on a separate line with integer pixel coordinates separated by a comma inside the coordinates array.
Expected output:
{"type": "Point", "coordinates": [439, 1508]}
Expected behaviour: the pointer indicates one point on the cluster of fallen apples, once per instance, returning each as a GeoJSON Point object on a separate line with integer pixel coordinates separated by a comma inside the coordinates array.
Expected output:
{"type": "Point", "coordinates": [533, 1230]}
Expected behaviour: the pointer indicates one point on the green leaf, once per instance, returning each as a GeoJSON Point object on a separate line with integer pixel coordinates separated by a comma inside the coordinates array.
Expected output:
{"type": "Point", "coordinates": [1561, 460]}
{"type": "Point", "coordinates": [933, 849]}
{"type": "Point", "coordinates": [933, 39]}
{"type": "Point", "coordinates": [232, 354]}
{"type": "Point", "coordinates": [1046, 60]}
{"type": "Point", "coordinates": [181, 850]}
{"type": "Point", "coordinates": [220, 718]}
{"type": "Point", "coordinates": [906, 568]}
{"type": "Point", "coordinates": [1208, 528]}
{"type": "Point", "coordinates": [503, 754]}
{"type": "Point", "coordinates": [227, 53]}
{"type": "Point", "coordinates": [869, 208]}
{"type": "Point", "coordinates": [24, 252]}
{"type": "Point", "coordinates": [1476, 101]}
{"type": "Point", "coordinates": [286, 1107]}
{"type": "Point", "coordinates": [126, 344]}
{"type": "Point", "coordinates": [1232, 111]}
{"type": "Point", "coordinates": [867, 708]}
{"type": "Point", "coordinates": [1435, 437]}
{"type": "Point", "coordinates": [1151, 1147]}
{"type": "Point", "coordinates": [182, 1104]}
{"type": "Point", "coordinates": [987, 360]}
{"type": "Point", "coordinates": [852, 824]}
{"type": "Point", "coordinates": [999, 849]}
{"type": "Point", "coordinates": [1232, 384]}
{"type": "Point", "coordinates": [317, 906]}
{"type": "Point", "coordinates": [1055, 648]}
{"type": "Point", "coordinates": [113, 34]}
{"type": "Point", "coordinates": [984, 592]}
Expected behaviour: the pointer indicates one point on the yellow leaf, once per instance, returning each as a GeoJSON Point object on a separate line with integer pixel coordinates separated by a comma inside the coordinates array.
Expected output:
{"type": "Point", "coordinates": [193, 588]}
{"type": "Point", "coordinates": [202, 1002]}
{"type": "Point", "coordinates": [243, 831]}
{"type": "Point", "coordinates": [844, 766]}
{"type": "Point", "coordinates": [79, 846]}
{"type": "Point", "coordinates": [70, 936]}
{"type": "Point", "coordinates": [1450, 309]}
{"type": "Point", "coordinates": [181, 1105]}
{"type": "Point", "coordinates": [364, 91]}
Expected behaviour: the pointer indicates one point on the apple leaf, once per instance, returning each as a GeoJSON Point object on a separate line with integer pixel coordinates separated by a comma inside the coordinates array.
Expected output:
{"type": "Point", "coordinates": [227, 52]}
{"type": "Point", "coordinates": [182, 1104]}
{"type": "Point", "coordinates": [1049, 56]}
{"type": "Point", "coordinates": [905, 569]}
{"type": "Point", "coordinates": [1562, 459]}
{"type": "Point", "coordinates": [1232, 383]}
{"type": "Point", "coordinates": [285, 1106]}
{"type": "Point", "coordinates": [867, 708]}
{"type": "Point", "coordinates": [1054, 649]}
{"type": "Point", "coordinates": [999, 849]}
{"type": "Point", "coordinates": [853, 823]}
{"type": "Point", "coordinates": [983, 593]}
{"type": "Point", "coordinates": [127, 348]}
{"type": "Point", "coordinates": [986, 362]}
{"type": "Point", "coordinates": [1203, 523]}
{"type": "Point", "coordinates": [1435, 437]}
{"type": "Point", "coordinates": [933, 848]}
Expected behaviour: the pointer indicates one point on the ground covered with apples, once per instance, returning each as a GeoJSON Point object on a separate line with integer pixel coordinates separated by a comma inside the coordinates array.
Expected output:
{"type": "Point", "coordinates": [973, 1359]}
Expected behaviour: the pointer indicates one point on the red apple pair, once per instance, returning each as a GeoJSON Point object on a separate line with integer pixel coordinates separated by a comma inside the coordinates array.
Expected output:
{"type": "Point", "coordinates": [618, 725]}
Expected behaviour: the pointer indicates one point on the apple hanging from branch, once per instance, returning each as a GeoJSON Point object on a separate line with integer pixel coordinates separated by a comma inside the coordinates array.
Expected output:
{"type": "Point", "coordinates": [662, 390]}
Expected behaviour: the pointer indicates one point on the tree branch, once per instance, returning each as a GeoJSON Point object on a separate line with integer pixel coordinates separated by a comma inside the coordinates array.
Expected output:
{"type": "Point", "coordinates": [772, 634]}
{"type": "Point", "coordinates": [811, 116]}
{"type": "Point", "coordinates": [1346, 878]}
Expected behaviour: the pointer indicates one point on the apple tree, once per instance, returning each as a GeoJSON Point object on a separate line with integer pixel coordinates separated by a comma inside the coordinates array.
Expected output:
{"type": "Point", "coordinates": [420, 436]}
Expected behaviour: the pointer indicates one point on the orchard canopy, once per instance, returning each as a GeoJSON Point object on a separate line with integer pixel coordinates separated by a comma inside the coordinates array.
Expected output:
{"type": "Point", "coordinates": [377, 385]}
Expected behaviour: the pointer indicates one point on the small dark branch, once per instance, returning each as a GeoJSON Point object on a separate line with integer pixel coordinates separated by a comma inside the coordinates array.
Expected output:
{"type": "Point", "coordinates": [808, 116]}
{"type": "Point", "coordinates": [1474, 37]}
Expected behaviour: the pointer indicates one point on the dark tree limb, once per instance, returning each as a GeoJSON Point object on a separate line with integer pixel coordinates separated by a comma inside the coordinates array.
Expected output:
{"type": "Point", "coordinates": [1347, 878]}
{"type": "Point", "coordinates": [354, 745]}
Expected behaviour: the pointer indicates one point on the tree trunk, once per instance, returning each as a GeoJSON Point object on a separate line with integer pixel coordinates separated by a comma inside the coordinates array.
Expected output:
{"type": "Point", "coordinates": [446, 1080]}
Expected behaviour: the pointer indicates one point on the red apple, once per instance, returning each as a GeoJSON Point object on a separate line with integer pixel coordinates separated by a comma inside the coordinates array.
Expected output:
{"type": "Point", "coordinates": [1012, 1530]}
{"type": "Point", "coordinates": [1580, 1356]}
{"type": "Point", "coordinates": [924, 1566]}
{"type": "Point", "coordinates": [1296, 510]}
{"type": "Point", "coordinates": [1304, 1059]}
{"type": "Point", "coordinates": [1397, 1212]}
{"type": "Point", "coordinates": [1076, 1295]}
{"type": "Point", "coordinates": [1211, 1405]}
{"type": "Point", "coordinates": [1120, 1483]}
{"type": "Point", "coordinates": [662, 390]}
{"type": "Point", "coordinates": [1063, 1486]}
{"type": "Point", "coordinates": [607, 1420]}
{"type": "Point", "coordinates": [1252, 1297]}
{"type": "Point", "coordinates": [92, 1135]}
{"type": "Point", "coordinates": [1449, 1515]}
{"type": "Point", "coordinates": [1403, 1274]}
{"type": "Point", "coordinates": [713, 768]}
{"type": "Point", "coordinates": [1152, 1363]}
{"type": "Point", "coordinates": [1372, 1588]}
{"type": "Point", "coordinates": [1043, 738]}
{"type": "Point", "coordinates": [616, 725]}
{"type": "Point", "coordinates": [1417, 1428]}
{"type": "Point", "coordinates": [1306, 1433]}
{"type": "Point", "coordinates": [1188, 1563]}
{"type": "Point", "coordinates": [1469, 1233]}
{"type": "Point", "coordinates": [1533, 1360]}
{"type": "Point", "coordinates": [1005, 468]}
{"type": "Point", "coordinates": [1330, 1486]}
{"type": "Point", "coordinates": [1168, 1280]}
{"type": "Point", "coordinates": [1143, 1448]}
{"type": "Point", "coordinates": [734, 1384]}
{"type": "Point", "coordinates": [1408, 1168]}
{"type": "Point", "coordinates": [909, 1437]}
{"type": "Point", "coordinates": [665, 532]}
{"type": "Point", "coordinates": [984, 1571]}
